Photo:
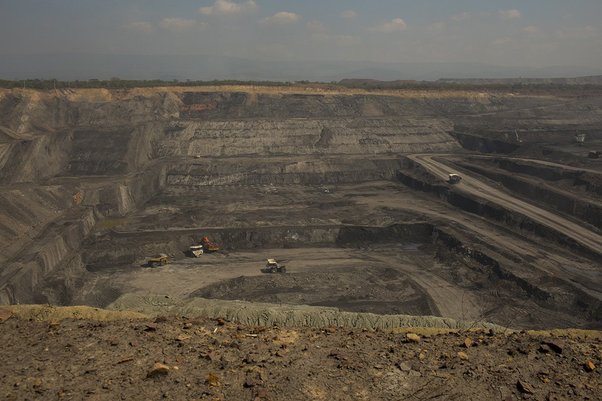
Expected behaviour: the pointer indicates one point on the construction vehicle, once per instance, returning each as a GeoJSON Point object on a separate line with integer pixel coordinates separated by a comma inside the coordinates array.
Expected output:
{"type": "Point", "coordinates": [208, 245]}
{"type": "Point", "coordinates": [454, 178]}
{"type": "Point", "coordinates": [196, 251]}
{"type": "Point", "coordinates": [272, 266]}
{"type": "Point", "coordinates": [580, 138]}
{"type": "Point", "coordinates": [159, 260]}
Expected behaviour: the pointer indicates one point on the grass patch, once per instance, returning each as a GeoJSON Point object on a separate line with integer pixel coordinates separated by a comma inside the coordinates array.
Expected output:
{"type": "Point", "coordinates": [109, 224]}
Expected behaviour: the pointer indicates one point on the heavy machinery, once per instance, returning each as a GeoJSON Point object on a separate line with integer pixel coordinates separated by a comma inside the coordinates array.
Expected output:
{"type": "Point", "coordinates": [454, 178]}
{"type": "Point", "coordinates": [159, 260]}
{"type": "Point", "coordinates": [196, 251]}
{"type": "Point", "coordinates": [272, 266]}
{"type": "Point", "coordinates": [208, 245]}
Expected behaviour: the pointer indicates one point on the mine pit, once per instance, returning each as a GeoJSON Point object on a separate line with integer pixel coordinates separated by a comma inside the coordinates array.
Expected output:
{"type": "Point", "coordinates": [350, 191]}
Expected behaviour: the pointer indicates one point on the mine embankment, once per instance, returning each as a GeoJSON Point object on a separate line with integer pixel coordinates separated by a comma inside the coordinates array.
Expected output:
{"type": "Point", "coordinates": [392, 269]}
{"type": "Point", "coordinates": [115, 248]}
{"type": "Point", "coordinates": [585, 179]}
{"type": "Point", "coordinates": [96, 182]}
{"type": "Point", "coordinates": [294, 170]}
{"type": "Point", "coordinates": [481, 198]}
{"type": "Point", "coordinates": [568, 198]}
{"type": "Point", "coordinates": [484, 144]}
{"type": "Point", "coordinates": [228, 137]}
{"type": "Point", "coordinates": [49, 253]}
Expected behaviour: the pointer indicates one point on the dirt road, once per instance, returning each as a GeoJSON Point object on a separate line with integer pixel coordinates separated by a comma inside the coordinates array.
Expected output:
{"type": "Point", "coordinates": [542, 162]}
{"type": "Point", "coordinates": [473, 185]}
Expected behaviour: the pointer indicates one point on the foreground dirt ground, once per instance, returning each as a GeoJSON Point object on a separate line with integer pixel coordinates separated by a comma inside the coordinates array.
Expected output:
{"type": "Point", "coordinates": [179, 358]}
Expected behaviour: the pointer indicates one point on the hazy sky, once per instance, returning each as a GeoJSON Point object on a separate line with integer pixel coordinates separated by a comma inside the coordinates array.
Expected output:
{"type": "Point", "coordinates": [532, 33]}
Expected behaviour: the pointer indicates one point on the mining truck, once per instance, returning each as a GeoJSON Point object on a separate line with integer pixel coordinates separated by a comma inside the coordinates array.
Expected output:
{"type": "Point", "coordinates": [196, 251]}
{"type": "Point", "coordinates": [159, 260]}
{"type": "Point", "coordinates": [454, 178]}
{"type": "Point", "coordinates": [208, 245]}
{"type": "Point", "coordinates": [272, 266]}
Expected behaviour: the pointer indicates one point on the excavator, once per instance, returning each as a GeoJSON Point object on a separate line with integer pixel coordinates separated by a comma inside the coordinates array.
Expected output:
{"type": "Point", "coordinates": [208, 245]}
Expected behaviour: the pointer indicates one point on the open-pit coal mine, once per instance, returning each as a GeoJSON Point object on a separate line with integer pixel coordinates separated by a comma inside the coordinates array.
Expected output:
{"type": "Point", "coordinates": [349, 189]}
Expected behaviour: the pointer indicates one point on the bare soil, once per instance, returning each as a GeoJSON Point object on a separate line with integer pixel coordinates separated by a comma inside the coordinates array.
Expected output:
{"type": "Point", "coordinates": [83, 359]}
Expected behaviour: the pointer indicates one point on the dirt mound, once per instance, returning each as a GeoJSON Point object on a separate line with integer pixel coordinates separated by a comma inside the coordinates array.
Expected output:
{"type": "Point", "coordinates": [263, 314]}
{"type": "Point", "coordinates": [180, 358]}
{"type": "Point", "coordinates": [54, 313]}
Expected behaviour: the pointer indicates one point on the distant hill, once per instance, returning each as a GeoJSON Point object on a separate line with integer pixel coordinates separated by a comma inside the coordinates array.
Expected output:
{"type": "Point", "coordinates": [356, 81]}
{"type": "Point", "coordinates": [74, 66]}
{"type": "Point", "coordinates": [589, 80]}
{"type": "Point", "coordinates": [367, 83]}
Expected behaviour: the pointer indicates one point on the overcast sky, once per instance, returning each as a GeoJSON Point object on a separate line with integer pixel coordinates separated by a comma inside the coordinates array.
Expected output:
{"type": "Point", "coordinates": [526, 33]}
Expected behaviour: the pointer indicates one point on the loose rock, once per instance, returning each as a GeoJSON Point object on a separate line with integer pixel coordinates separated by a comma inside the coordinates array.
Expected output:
{"type": "Point", "coordinates": [151, 327]}
{"type": "Point", "coordinates": [524, 387]}
{"type": "Point", "coordinates": [212, 380]}
{"type": "Point", "coordinates": [404, 367]}
{"type": "Point", "coordinates": [5, 314]}
{"type": "Point", "coordinates": [554, 345]}
{"type": "Point", "coordinates": [158, 369]}
{"type": "Point", "coordinates": [253, 379]}
{"type": "Point", "coordinates": [413, 337]}
{"type": "Point", "coordinates": [545, 349]}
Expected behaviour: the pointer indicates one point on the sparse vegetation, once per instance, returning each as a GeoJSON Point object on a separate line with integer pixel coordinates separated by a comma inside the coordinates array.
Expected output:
{"type": "Point", "coordinates": [366, 84]}
{"type": "Point", "coordinates": [111, 223]}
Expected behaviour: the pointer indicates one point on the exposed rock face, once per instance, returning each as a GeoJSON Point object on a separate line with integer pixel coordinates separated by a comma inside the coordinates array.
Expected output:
{"type": "Point", "coordinates": [311, 136]}
{"type": "Point", "coordinates": [98, 179]}
{"type": "Point", "coordinates": [49, 140]}
{"type": "Point", "coordinates": [55, 140]}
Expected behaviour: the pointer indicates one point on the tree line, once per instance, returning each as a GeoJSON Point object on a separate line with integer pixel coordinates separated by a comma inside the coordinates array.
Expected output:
{"type": "Point", "coordinates": [117, 83]}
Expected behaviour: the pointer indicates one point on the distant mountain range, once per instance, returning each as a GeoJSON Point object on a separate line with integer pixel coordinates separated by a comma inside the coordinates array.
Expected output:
{"type": "Point", "coordinates": [375, 83]}
{"type": "Point", "coordinates": [199, 67]}
{"type": "Point", "coordinates": [590, 80]}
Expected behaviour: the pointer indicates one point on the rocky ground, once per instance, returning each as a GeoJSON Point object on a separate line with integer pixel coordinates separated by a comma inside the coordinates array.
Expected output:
{"type": "Point", "coordinates": [179, 358]}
